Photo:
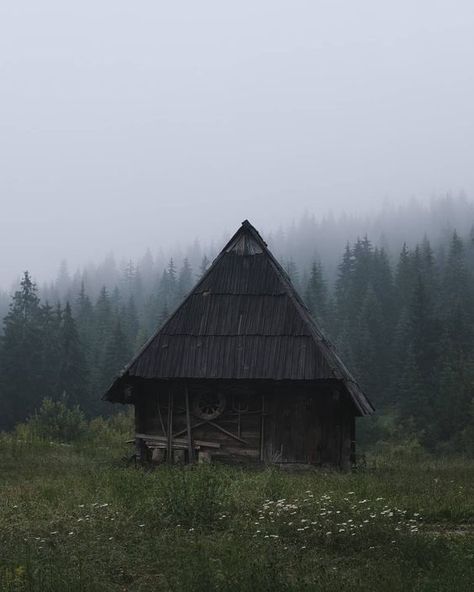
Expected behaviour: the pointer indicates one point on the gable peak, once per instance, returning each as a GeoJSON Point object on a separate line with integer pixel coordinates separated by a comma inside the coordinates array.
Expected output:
{"type": "Point", "coordinates": [246, 241]}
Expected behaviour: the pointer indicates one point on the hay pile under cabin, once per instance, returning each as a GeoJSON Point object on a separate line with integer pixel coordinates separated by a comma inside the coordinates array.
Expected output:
{"type": "Point", "coordinates": [241, 373]}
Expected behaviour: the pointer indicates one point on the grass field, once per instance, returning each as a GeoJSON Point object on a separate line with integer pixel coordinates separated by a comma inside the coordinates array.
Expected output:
{"type": "Point", "coordinates": [78, 519]}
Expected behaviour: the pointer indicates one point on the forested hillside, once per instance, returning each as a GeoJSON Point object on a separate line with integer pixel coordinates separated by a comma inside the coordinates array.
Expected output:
{"type": "Point", "coordinates": [403, 323]}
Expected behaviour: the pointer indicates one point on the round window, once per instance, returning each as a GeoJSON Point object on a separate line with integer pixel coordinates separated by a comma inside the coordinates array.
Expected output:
{"type": "Point", "coordinates": [209, 405]}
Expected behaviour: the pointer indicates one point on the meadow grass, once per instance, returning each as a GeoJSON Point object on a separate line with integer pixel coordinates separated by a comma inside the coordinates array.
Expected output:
{"type": "Point", "coordinates": [78, 518]}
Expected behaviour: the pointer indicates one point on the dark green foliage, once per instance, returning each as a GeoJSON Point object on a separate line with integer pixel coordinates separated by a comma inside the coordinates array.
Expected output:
{"type": "Point", "coordinates": [74, 519]}
{"type": "Point", "coordinates": [84, 314]}
{"type": "Point", "coordinates": [58, 422]}
{"type": "Point", "coordinates": [404, 276]}
{"type": "Point", "coordinates": [21, 356]}
{"type": "Point", "coordinates": [50, 348]}
{"type": "Point", "coordinates": [185, 280]}
{"type": "Point", "coordinates": [116, 354]}
{"type": "Point", "coordinates": [316, 294]}
{"type": "Point", "coordinates": [409, 341]}
{"type": "Point", "coordinates": [73, 379]}
{"type": "Point", "coordinates": [405, 328]}
{"type": "Point", "coordinates": [193, 500]}
{"type": "Point", "coordinates": [365, 315]}
{"type": "Point", "coordinates": [130, 322]}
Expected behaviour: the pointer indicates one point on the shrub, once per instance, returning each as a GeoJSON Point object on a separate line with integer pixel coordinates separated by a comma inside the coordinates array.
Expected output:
{"type": "Point", "coordinates": [57, 422]}
{"type": "Point", "coordinates": [113, 431]}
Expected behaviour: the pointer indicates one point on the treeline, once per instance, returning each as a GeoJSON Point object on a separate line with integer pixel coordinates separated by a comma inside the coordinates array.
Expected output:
{"type": "Point", "coordinates": [73, 351]}
{"type": "Point", "coordinates": [407, 333]}
{"type": "Point", "coordinates": [389, 227]}
{"type": "Point", "coordinates": [405, 328]}
{"type": "Point", "coordinates": [304, 240]}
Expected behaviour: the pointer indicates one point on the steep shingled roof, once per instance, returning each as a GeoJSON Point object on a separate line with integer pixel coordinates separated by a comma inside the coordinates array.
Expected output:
{"type": "Point", "coordinates": [243, 320]}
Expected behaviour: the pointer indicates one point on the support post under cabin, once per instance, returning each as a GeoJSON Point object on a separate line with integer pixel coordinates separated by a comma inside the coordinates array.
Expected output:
{"type": "Point", "coordinates": [160, 417]}
{"type": "Point", "coordinates": [262, 429]}
{"type": "Point", "coordinates": [169, 448]}
{"type": "Point", "coordinates": [188, 427]}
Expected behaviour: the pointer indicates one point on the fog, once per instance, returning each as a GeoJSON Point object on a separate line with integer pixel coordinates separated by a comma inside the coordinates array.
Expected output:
{"type": "Point", "coordinates": [126, 125]}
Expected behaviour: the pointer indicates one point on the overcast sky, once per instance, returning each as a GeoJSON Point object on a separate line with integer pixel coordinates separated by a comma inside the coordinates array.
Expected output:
{"type": "Point", "coordinates": [132, 124]}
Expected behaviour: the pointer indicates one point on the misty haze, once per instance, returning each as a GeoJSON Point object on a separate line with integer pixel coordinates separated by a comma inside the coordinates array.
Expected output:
{"type": "Point", "coordinates": [237, 296]}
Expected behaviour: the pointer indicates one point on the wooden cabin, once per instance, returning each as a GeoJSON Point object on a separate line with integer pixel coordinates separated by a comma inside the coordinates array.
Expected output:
{"type": "Point", "coordinates": [241, 373]}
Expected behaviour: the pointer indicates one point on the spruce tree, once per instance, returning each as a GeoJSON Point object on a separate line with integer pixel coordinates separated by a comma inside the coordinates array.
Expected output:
{"type": "Point", "coordinates": [21, 359]}
{"type": "Point", "coordinates": [343, 291]}
{"type": "Point", "coordinates": [171, 285]}
{"type": "Point", "coordinates": [129, 320]}
{"type": "Point", "coordinates": [404, 276]}
{"type": "Point", "coordinates": [117, 354]}
{"type": "Point", "coordinates": [456, 364]}
{"type": "Point", "coordinates": [316, 294]}
{"type": "Point", "coordinates": [50, 323]}
{"type": "Point", "coordinates": [103, 327]}
{"type": "Point", "coordinates": [73, 379]}
{"type": "Point", "coordinates": [204, 266]}
{"type": "Point", "coordinates": [368, 346]}
{"type": "Point", "coordinates": [185, 280]}
{"type": "Point", "coordinates": [457, 299]}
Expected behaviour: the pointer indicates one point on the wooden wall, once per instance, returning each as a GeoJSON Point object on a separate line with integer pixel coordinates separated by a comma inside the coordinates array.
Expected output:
{"type": "Point", "coordinates": [271, 423]}
{"type": "Point", "coordinates": [309, 428]}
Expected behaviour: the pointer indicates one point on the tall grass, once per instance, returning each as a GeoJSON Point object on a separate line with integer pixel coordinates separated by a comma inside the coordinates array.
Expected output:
{"type": "Point", "coordinates": [78, 518]}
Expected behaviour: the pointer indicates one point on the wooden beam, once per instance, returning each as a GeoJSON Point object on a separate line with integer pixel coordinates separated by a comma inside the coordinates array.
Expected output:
{"type": "Point", "coordinates": [179, 441]}
{"type": "Point", "coordinates": [200, 423]}
{"type": "Point", "coordinates": [196, 425]}
{"type": "Point", "coordinates": [206, 444]}
{"type": "Point", "coordinates": [188, 427]}
{"type": "Point", "coordinates": [227, 432]}
{"type": "Point", "coordinates": [262, 429]}
{"type": "Point", "coordinates": [155, 438]}
{"type": "Point", "coordinates": [160, 416]}
{"type": "Point", "coordinates": [169, 449]}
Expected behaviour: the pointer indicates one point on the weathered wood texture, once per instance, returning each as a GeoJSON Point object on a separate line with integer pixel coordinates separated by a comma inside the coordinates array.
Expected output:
{"type": "Point", "coordinates": [270, 423]}
{"type": "Point", "coordinates": [263, 382]}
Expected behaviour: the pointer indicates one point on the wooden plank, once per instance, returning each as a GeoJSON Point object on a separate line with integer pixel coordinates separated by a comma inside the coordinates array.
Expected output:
{"type": "Point", "coordinates": [179, 441]}
{"type": "Point", "coordinates": [170, 427]}
{"type": "Point", "coordinates": [160, 416]}
{"type": "Point", "coordinates": [244, 452]}
{"type": "Point", "coordinates": [161, 446]}
{"type": "Point", "coordinates": [153, 445]}
{"type": "Point", "coordinates": [188, 427]}
{"type": "Point", "coordinates": [223, 430]}
{"type": "Point", "coordinates": [207, 444]}
{"type": "Point", "coordinates": [159, 438]}
{"type": "Point", "coordinates": [216, 425]}
{"type": "Point", "coordinates": [196, 425]}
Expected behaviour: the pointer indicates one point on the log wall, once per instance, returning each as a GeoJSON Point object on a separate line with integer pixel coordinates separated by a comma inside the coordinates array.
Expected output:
{"type": "Point", "coordinates": [307, 424]}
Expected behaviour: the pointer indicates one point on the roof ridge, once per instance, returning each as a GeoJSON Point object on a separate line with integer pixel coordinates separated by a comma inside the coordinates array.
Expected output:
{"type": "Point", "coordinates": [260, 334]}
